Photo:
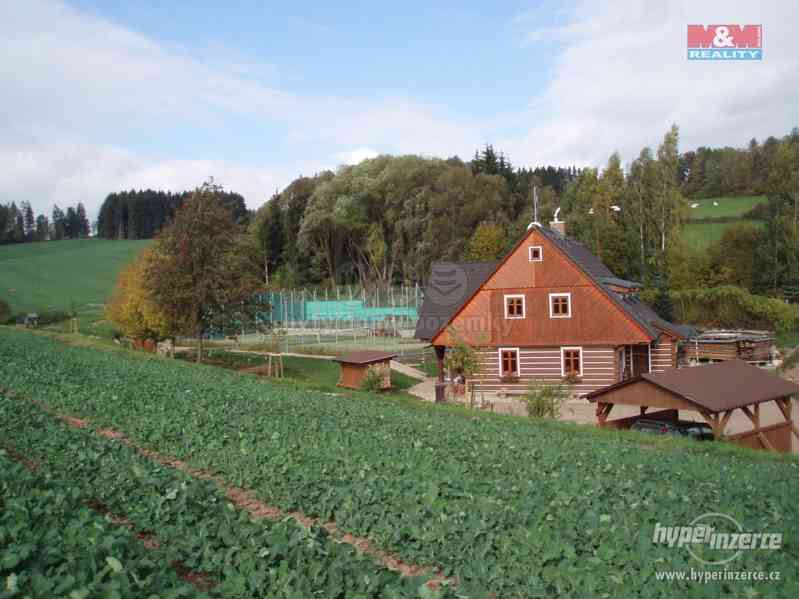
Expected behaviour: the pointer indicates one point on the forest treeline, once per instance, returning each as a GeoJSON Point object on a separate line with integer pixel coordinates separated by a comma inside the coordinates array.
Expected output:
{"type": "Point", "coordinates": [19, 224]}
{"type": "Point", "coordinates": [386, 219]}
{"type": "Point", "coordinates": [142, 214]}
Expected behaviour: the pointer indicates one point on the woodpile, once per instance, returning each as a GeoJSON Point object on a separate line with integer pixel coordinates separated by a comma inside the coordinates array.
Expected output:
{"type": "Point", "coordinates": [750, 346]}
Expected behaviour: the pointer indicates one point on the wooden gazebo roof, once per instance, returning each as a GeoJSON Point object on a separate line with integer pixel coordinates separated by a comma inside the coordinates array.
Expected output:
{"type": "Point", "coordinates": [715, 391]}
{"type": "Point", "coordinates": [715, 388]}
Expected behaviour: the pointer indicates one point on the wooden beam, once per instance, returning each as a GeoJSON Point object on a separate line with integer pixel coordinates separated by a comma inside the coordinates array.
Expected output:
{"type": "Point", "coordinates": [755, 418]}
{"type": "Point", "coordinates": [748, 412]}
{"type": "Point", "coordinates": [713, 421]}
{"type": "Point", "coordinates": [603, 411]}
{"type": "Point", "coordinates": [724, 421]}
{"type": "Point", "coordinates": [785, 408]}
{"type": "Point", "coordinates": [765, 441]}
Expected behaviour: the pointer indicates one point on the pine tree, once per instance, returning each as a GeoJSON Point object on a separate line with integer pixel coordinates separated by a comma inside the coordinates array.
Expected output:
{"type": "Point", "coordinates": [28, 220]}
{"type": "Point", "coordinates": [58, 224]}
{"type": "Point", "coordinates": [82, 221]}
{"type": "Point", "coordinates": [42, 228]}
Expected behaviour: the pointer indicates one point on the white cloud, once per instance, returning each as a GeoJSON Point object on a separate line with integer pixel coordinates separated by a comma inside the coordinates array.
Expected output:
{"type": "Point", "coordinates": [89, 107]}
{"type": "Point", "coordinates": [80, 94]}
{"type": "Point", "coordinates": [68, 173]}
{"type": "Point", "coordinates": [622, 78]}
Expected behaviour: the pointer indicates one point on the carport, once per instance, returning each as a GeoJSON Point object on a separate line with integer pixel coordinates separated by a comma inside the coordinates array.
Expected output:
{"type": "Point", "coordinates": [715, 392]}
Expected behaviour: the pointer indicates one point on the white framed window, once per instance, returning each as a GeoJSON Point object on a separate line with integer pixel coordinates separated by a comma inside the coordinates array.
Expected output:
{"type": "Point", "coordinates": [515, 306]}
{"type": "Point", "coordinates": [508, 361]}
{"type": "Point", "coordinates": [535, 253]}
{"type": "Point", "coordinates": [560, 305]}
{"type": "Point", "coordinates": [571, 361]}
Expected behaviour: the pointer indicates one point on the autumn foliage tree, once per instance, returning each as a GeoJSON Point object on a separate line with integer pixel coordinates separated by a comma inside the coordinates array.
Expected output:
{"type": "Point", "coordinates": [486, 244]}
{"type": "Point", "coordinates": [132, 307]}
{"type": "Point", "coordinates": [205, 265]}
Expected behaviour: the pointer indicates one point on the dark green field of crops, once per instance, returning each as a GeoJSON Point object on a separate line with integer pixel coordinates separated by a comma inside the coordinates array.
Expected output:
{"type": "Point", "coordinates": [509, 507]}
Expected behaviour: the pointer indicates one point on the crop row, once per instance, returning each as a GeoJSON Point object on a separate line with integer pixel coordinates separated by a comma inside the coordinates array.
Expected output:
{"type": "Point", "coordinates": [508, 506]}
{"type": "Point", "coordinates": [193, 523]}
{"type": "Point", "coordinates": [53, 545]}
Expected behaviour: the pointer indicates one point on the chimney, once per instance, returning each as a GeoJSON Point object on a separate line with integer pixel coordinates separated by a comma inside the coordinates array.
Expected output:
{"type": "Point", "coordinates": [559, 226]}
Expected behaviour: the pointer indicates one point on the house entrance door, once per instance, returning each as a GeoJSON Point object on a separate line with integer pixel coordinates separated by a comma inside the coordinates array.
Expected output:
{"type": "Point", "coordinates": [640, 360]}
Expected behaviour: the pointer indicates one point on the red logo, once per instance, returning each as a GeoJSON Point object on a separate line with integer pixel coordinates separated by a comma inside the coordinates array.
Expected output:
{"type": "Point", "coordinates": [725, 36]}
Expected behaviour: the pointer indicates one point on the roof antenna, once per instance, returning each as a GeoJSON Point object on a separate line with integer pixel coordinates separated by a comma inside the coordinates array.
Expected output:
{"type": "Point", "coordinates": [534, 195]}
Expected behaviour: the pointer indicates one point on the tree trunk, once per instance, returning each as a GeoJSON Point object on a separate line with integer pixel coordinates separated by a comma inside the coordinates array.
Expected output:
{"type": "Point", "coordinates": [200, 347]}
{"type": "Point", "coordinates": [643, 256]}
{"type": "Point", "coordinates": [172, 348]}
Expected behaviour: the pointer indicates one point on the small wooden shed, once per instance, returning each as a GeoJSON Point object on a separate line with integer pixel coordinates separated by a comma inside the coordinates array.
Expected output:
{"type": "Point", "coordinates": [715, 391]}
{"type": "Point", "coordinates": [356, 364]}
{"type": "Point", "coordinates": [750, 346]}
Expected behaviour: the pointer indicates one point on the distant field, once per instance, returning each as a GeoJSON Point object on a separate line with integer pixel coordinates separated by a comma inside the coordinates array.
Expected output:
{"type": "Point", "coordinates": [700, 232]}
{"type": "Point", "coordinates": [52, 275]}
{"type": "Point", "coordinates": [726, 208]}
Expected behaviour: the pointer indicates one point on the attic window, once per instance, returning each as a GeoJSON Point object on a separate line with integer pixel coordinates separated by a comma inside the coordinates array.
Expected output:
{"type": "Point", "coordinates": [560, 305]}
{"type": "Point", "coordinates": [535, 253]}
{"type": "Point", "coordinates": [514, 306]}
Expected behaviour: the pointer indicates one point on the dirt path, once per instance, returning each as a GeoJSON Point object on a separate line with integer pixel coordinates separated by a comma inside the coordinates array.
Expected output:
{"type": "Point", "coordinates": [246, 499]}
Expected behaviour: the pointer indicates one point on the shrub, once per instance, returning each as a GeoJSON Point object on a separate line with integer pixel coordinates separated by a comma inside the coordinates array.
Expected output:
{"type": "Point", "coordinates": [373, 381]}
{"type": "Point", "coordinates": [545, 401]}
{"type": "Point", "coordinates": [730, 306]}
{"type": "Point", "coordinates": [758, 212]}
{"type": "Point", "coordinates": [53, 316]}
{"type": "Point", "coordinates": [5, 312]}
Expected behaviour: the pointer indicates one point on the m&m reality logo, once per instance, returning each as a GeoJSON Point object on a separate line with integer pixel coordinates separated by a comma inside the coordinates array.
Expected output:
{"type": "Point", "coordinates": [725, 42]}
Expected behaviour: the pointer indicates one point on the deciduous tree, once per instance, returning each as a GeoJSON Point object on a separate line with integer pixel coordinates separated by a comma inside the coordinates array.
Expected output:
{"type": "Point", "coordinates": [205, 263]}
{"type": "Point", "coordinates": [132, 307]}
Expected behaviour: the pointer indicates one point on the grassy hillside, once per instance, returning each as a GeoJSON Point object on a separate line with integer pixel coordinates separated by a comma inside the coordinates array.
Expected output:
{"type": "Point", "coordinates": [55, 274]}
{"type": "Point", "coordinates": [701, 232]}
{"type": "Point", "coordinates": [726, 208]}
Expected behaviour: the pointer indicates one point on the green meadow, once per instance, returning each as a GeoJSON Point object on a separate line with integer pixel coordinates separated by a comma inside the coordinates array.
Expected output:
{"type": "Point", "coordinates": [700, 230]}
{"type": "Point", "coordinates": [57, 275]}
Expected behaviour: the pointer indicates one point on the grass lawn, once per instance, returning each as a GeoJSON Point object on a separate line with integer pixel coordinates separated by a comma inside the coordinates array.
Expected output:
{"type": "Point", "coordinates": [728, 207]}
{"type": "Point", "coordinates": [55, 275]}
{"type": "Point", "coordinates": [702, 234]}
{"type": "Point", "coordinates": [313, 373]}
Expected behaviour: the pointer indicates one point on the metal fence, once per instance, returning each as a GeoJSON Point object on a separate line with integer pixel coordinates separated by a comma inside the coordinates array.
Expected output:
{"type": "Point", "coordinates": [335, 320]}
{"type": "Point", "coordinates": [344, 307]}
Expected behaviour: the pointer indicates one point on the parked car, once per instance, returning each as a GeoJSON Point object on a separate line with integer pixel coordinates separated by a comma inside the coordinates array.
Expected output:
{"type": "Point", "coordinates": [694, 430]}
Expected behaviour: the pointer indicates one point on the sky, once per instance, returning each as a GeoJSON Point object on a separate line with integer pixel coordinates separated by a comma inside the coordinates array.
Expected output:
{"type": "Point", "coordinates": [105, 95]}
